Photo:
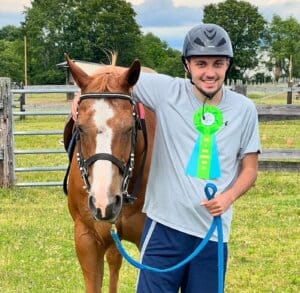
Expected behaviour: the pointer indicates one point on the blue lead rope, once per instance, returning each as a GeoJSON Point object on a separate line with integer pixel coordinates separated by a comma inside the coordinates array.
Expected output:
{"type": "Point", "coordinates": [210, 191]}
{"type": "Point", "coordinates": [218, 221]}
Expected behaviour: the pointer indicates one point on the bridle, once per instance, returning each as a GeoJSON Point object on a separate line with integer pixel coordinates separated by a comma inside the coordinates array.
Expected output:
{"type": "Point", "coordinates": [126, 170]}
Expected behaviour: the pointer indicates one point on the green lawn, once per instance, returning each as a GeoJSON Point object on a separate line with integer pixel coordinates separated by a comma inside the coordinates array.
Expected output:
{"type": "Point", "coordinates": [36, 231]}
{"type": "Point", "coordinates": [37, 253]}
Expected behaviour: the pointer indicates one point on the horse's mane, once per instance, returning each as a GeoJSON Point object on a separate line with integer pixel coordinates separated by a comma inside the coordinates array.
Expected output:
{"type": "Point", "coordinates": [113, 58]}
{"type": "Point", "coordinates": [101, 77]}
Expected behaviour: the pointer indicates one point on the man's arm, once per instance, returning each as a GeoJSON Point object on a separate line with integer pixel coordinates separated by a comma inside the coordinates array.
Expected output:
{"type": "Point", "coordinates": [243, 183]}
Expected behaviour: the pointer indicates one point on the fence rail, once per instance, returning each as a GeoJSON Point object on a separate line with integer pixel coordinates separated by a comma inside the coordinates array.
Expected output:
{"type": "Point", "coordinates": [34, 152]}
{"type": "Point", "coordinates": [49, 89]}
{"type": "Point", "coordinates": [278, 112]}
{"type": "Point", "coordinates": [273, 89]}
{"type": "Point", "coordinates": [290, 154]}
{"type": "Point", "coordinates": [279, 159]}
{"type": "Point", "coordinates": [281, 166]}
{"type": "Point", "coordinates": [40, 110]}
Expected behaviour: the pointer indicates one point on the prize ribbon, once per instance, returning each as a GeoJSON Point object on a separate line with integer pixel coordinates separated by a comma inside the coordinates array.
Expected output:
{"type": "Point", "coordinates": [204, 161]}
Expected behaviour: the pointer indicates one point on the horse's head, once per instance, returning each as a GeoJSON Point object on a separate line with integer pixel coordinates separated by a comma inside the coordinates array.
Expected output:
{"type": "Point", "coordinates": [106, 128]}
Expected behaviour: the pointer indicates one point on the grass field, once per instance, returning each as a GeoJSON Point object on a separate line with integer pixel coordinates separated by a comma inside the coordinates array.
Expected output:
{"type": "Point", "coordinates": [36, 231]}
{"type": "Point", "coordinates": [37, 253]}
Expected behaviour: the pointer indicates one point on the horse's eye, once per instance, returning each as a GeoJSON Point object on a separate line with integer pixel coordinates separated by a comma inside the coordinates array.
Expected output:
{"type": "Point", "coordinates": [129, 130]}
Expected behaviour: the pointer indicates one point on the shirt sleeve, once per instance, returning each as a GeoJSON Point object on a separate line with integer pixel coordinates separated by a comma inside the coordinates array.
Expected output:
{"type": "Point", "coordinates": [150, 88]}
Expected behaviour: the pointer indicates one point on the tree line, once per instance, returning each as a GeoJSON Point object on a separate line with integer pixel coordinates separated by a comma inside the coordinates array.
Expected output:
{"type": "Point", "coordinates": [88, 29]}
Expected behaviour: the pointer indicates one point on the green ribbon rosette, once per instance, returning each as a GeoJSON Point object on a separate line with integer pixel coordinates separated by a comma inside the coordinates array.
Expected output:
{"type": "Point", "coordinates": [204, 161]}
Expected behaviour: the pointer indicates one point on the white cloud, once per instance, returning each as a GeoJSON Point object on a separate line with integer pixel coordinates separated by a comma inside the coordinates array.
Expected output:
{"type": "Point", "coordinates": [171, 19]}
{"type": "Point", "coordinates": [193, 3]}
{"type": "Point", "coordinates": [167, 31]}
{"type": "Point", "coordinates": [174, 36]}
{"type": "Point", "coordinates": [201, 3]}
{"type": "Point", "coordinates": [167, 19]}
{"type": "Point", "coordinates": [14, 5]}
{"type": "Point", "coordinates": [136, 2]}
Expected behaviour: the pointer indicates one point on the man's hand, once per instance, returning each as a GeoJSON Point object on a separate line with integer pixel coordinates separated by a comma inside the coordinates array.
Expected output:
{"type": "Point", "coordinates": [218, 205]}
{"type": "Point", "coordinates": [247, 176]}
{"type": "Point", "coordinates": [74, 105]}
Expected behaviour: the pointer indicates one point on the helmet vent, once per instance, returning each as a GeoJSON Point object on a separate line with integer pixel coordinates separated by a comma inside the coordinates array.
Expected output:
{"type": "Point", "coordinates": [199, 42]}
{"type": "Point", "coordinates": [221, 42]}
{"type": "Point", "coordinates": [211, 34]}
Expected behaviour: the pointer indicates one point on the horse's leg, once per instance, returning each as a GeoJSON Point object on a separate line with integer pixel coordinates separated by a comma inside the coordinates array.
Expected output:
{"type": "Point", "coordinates": [90, 256]}
{"type": "Point", "coordinates": [114, 260]}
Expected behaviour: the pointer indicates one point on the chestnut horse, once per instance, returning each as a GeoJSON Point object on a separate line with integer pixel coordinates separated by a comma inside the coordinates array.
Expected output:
{"type": "Point", "coordinates": [108, 141]}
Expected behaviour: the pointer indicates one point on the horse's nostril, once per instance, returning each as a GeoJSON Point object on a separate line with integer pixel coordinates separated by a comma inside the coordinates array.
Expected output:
{"type": "Point", "coordinates": [91, 202]}
{"type": "Point", "coordinates": [96, 212]}
{"type": "Point", "coordinates": [97, 215]}
{"type": "Point", "coordinates": [113, 209]}
{"type": "Point", "coordinates": [118, 202]}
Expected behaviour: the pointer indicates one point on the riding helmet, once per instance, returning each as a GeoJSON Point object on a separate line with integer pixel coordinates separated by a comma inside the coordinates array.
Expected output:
{"type": "Point", "coordinates": [207, 40]}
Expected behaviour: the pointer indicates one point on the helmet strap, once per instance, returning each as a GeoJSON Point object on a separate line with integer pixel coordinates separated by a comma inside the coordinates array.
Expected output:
{"type": "Point", "coordinates": [203, 116]}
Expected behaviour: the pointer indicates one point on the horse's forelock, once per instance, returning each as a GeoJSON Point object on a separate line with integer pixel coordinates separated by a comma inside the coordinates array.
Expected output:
{"type": "Point", "coordinates": [106, 79]}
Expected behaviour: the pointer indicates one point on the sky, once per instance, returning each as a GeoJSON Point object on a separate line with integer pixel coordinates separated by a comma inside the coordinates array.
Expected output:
{"type": "Point", "coordinates": [167, 19]}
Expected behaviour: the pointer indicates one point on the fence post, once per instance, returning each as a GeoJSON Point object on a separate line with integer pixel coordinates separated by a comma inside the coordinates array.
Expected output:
{"type": "Point", "coordinates": [241, 89]}
{"type": "Point", "coordinates": [289, 97]}
{"type": "Point", "coordinates": [22, 105]}
{"type": "Point", "coordinates": [6, 135]}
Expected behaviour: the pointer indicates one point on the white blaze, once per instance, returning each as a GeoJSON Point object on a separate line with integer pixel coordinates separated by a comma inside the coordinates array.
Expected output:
{"type": "Point", "coordinates": [102, 169]}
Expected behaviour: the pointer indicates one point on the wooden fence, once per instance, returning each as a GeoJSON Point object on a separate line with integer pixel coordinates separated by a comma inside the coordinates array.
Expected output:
{"type": "Point", "coordinates": [6, 137]}
{"type": "Point", "coordinates": [279, 159]}
{"type": "Point", "coordinates": [271, 159]}
{"type": "Point", "coordinates": [270, 91]}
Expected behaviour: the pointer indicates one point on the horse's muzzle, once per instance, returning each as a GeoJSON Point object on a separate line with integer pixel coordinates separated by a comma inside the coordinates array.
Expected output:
{"type": "Point", "coordinates": [112, 210]}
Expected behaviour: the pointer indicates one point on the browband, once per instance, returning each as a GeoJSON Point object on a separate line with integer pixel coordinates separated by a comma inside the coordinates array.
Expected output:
{"type": "Point", "coordinates": [107, 95]}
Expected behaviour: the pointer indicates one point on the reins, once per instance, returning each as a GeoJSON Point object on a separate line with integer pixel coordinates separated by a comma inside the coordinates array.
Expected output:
{"type": "Point", "coordinates": [210, 191]}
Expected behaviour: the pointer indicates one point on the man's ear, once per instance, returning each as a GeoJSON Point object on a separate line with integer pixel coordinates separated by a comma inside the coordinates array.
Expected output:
{"type": "Point", "coordinates": [184, 62]}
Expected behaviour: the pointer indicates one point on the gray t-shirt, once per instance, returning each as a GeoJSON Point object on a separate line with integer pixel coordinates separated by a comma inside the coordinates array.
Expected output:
{"type": "Point", "coordinates": [172, 197]}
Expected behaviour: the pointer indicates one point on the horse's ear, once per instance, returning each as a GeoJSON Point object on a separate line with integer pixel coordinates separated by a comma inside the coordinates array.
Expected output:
{"type": "Point", "coordinates": [131, 75]}
{"type": "Point", "coordinates": [81, 78]}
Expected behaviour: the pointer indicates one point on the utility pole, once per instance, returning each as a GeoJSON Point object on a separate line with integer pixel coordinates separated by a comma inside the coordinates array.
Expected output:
{"type": "Point", "coordinates": [290, 82]}
{"type": "Point", "coordinates": [25, 60]}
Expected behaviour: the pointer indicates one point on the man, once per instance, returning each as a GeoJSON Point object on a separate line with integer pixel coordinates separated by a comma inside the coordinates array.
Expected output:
{"type": "Point", "coordinates": [189, 113]}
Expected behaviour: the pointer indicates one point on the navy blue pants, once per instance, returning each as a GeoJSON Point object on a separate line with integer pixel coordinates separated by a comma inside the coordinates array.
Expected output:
{"type": "Point", "coordinates": [163, 247]}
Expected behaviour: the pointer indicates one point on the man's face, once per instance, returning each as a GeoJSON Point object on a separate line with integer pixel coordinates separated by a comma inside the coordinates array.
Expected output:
{"type": "Point", "coordinates": [208, 72]}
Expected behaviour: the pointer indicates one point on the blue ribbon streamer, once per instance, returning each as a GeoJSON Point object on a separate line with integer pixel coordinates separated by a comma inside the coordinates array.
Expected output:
{"type": "Point", "coordinates": [192, 166]}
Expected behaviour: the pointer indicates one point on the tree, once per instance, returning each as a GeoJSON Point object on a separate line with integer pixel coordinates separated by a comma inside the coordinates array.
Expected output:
{"type": "Point", "coordinates": [11, 53]}
{"type": "Point", "coordinates": [159, 56]}
{"type": "Point", "coordinates": [285, 42]}
{"type": "Point", "coordinates": [11, 33]}
{"type": "Point", "coordinates": [246, 28]}
{"type": "Point", "coordinates": [83, 28]}
{"type": "Point", "coordinates": [173, 64]}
